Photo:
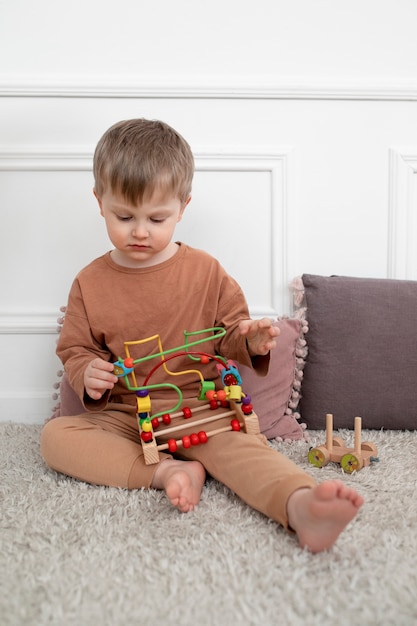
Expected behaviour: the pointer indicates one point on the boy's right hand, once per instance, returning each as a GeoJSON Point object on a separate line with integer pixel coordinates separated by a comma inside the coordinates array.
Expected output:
{"type": "Point", "coordinates": [98, 377]}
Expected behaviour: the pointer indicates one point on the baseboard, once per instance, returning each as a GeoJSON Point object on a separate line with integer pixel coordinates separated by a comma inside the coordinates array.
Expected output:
{"type": "Point", "coordinates": [29, 408]}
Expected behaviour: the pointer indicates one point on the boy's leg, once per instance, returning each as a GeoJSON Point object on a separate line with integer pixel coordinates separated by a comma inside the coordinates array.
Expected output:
{"type": "Point", "coordinates": [274, 485]}
{"type": "Point", "coordinates": [105, 449]}
{"type": "Point", "coordinates": [258, 474]}
{"type": "Point", "coordinates": [98, 448]}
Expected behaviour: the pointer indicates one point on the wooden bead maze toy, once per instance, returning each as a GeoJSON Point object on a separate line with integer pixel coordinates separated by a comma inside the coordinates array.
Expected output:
{"type": "Point", "coordinates": [229, 404]}
{"type": "Point", "coordinates": [350, 459]}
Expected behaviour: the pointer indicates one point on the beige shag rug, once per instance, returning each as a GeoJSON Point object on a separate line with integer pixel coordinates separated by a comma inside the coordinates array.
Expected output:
{"type": "Point", "coordinates": [75, 554]}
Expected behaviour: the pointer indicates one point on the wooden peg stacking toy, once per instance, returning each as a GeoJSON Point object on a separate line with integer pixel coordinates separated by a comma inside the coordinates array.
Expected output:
{"type": "Point", "coordinates": [350, 459]}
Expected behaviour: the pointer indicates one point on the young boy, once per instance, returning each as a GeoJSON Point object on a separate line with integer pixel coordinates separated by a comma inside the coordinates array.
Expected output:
{"type": "Point", "coordinates": [150, 285]}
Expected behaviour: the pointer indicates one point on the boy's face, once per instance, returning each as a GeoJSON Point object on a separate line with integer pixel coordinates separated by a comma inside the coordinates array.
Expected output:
{"type": "Point", "coordinates": [142, 234]}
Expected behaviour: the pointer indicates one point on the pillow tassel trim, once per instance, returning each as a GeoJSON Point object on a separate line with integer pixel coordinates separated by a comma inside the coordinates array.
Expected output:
{"type": "Point", "coordinates": [301, 352]}
{"type": "Point", "coordinates": [56, 396]}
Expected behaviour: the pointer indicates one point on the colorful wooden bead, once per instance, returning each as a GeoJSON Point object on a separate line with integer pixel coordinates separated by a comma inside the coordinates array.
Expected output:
{"type": "Point", "coordinates": [172, 445]}
{"type": "Point", "coordinates": [186, 441]}
{"type": "Point", "coordinates": [143, 401]}
{"type": "Point", "coordinates": [202, 436]}
{"type": "Point", "coordinates": [207, 389]}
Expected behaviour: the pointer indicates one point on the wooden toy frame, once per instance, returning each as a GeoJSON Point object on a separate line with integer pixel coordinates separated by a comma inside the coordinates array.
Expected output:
{"type": "Point", "coordinates": [229, 403]}
{"type": "Point", "coordinates": [238, 421]}
{"type": "Point", "coordinates": [350, 459]}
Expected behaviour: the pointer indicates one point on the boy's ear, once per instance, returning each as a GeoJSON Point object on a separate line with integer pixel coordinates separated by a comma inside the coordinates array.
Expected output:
{"type": "Point", "coordinates": [98, 200]}
{"type": "Point", "coordinates": [188, 200]}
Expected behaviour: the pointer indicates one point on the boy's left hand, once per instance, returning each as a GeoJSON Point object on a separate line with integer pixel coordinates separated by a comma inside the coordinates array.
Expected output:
{"type": "Point", "coordinates": [260, 335]}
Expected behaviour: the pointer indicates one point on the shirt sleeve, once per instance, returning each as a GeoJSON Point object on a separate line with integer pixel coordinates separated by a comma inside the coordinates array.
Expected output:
{"type": "Point", "coordinates": [232, 310]}
{"type": "Point", "coordinates": [77, 347]}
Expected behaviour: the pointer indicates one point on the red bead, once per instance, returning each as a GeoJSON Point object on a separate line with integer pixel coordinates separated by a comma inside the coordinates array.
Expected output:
{"type": "Point", "coordinates": [155, 423]}
{"type": "Point", "coordinates": [166, 418]}
{"type": "Point", "coordinates": [221, 395]}
{"type": "Point", "coordinates": [172, 445]}
{"type": "Point", "coordinates": [186, 441]}
{"type": "Point", "coordinates": [213, 404]}
{"type": "Point", "coordinates": [187, 412]}
{"type": "Point", "coordinates": [235, 425]}
{"type": "Point", "coordinates": [202, 436]}
{"type": "Point", "coordinates": [128, 363]}
{"type": "Point", "coordinates": [224, 404]}
{"type": "Point", "coordinates": [146, 436]}
{"type": "Point", "coordinates": [194, 439]}
{"type": "Point", "coordinates": [247, 409]}
{"type": "Point", "coordinates": [210, 395]}
{"type": "Point", "coordinates": [204, 359]}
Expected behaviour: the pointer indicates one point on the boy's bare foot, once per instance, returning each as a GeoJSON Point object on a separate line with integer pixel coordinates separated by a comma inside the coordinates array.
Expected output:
{"type": "Point", "coordinates": [182, 482]}
{"type": "Point", "coordinates": [319, 515]}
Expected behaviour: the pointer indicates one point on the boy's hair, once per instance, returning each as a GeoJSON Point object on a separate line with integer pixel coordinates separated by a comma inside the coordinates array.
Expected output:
{"type": "Point", "coordinates": [136, 157]}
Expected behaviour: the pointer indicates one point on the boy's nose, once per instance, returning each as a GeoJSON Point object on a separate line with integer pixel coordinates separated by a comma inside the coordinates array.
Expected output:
{"type": "Point", "coordinates": [140, 231]}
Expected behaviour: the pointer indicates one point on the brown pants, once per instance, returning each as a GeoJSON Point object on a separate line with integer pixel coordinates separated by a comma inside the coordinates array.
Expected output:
{"type": "Point", "coordinates": [105, 449]}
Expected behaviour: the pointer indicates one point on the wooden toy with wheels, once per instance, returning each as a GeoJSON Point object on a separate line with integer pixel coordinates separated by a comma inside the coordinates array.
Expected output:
{"type": "Point", "coordinates": [350, 459]}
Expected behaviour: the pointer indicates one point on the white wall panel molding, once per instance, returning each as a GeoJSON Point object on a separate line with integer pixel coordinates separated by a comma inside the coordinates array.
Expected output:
{"type": "Point", "coordinates": [271, 296]}
{"type": "Point", "coordinates": [276, 164]}
{"type": "Point", "coordinates": [402, 256]}
{"type": "Point", "coordinates": [28, 323]}
{"type": "Point", "coordinates": [219, 87]}
{"type": "Point", "coordinates": [45, 159]}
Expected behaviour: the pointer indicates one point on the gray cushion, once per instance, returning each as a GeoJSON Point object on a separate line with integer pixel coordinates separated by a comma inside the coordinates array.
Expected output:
{"type": "Point", "coordinates": [362, 352]}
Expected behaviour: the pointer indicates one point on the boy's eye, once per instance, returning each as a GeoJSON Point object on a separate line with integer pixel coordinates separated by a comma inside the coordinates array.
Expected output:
{"type": "Point", "coordinates": [124, 218]}
{"type": "Point", "coordinates": [157, 220]}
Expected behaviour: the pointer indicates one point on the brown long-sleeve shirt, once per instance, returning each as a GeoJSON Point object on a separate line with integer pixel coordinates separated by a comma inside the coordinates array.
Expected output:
{"type": "Point", "coordinates": [110, 304]}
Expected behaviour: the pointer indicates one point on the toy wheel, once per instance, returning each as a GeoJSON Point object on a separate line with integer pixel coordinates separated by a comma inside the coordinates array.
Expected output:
{"type": "Point", "coordinates": [338, 442]}
{"type": "Point", "coordinates": [350, 463]}
{"type": "Point", "coordinates": [318, 457]}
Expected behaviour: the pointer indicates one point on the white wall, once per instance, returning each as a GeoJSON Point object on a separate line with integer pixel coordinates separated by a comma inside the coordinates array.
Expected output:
{"type": "Point", "coordinates": [302, 116]}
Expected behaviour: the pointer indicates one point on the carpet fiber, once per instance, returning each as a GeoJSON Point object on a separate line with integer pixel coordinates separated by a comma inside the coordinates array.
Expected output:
{"type": "Point", "coordinates": [75, 554]}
